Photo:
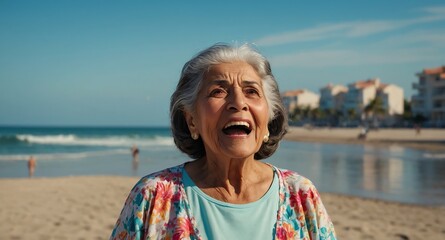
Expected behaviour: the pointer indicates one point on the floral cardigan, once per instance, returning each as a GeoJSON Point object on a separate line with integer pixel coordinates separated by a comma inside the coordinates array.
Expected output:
{"type": "Point", "coordinates": [157, 208]}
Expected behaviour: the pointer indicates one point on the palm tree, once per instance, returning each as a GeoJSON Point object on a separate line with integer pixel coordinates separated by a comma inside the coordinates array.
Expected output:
{"type": "Point", "coordinates": [317, 114]}
{"type": "Point", "coordinates": [306, 111]}
{"type": "Point", "coordinates": [295, 115]}
{"type": "Point", "coordinates": [351, 114]}
{"type": "Point", "coordinates": [376, 108]}
{"type": "Point", "coordinates": [407, 113]}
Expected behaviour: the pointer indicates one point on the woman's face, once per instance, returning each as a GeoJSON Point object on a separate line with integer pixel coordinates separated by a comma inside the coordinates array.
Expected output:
{"type": "Point", "coordinates": [231, 114]}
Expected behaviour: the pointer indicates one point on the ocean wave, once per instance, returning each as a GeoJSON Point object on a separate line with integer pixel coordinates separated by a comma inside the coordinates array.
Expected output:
{"type": "Point", "coordinates": [108, 141]}
{"type": "Point", "coordinates": [9, 140]}
{"type": "Point", "coordinates": [59, 156]}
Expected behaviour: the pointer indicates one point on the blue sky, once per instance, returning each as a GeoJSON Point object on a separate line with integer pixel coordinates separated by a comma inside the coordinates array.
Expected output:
{"type": "Point", "coordinates": [116, 63]}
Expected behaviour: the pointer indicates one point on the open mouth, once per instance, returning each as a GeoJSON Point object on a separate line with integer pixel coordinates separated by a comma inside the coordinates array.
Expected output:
{"type": "Point", "coordinates": [237, 128]}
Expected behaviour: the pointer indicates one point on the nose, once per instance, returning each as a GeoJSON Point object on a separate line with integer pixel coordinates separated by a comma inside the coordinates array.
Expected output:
{"type": "Point", "coordinates": [237, 101]}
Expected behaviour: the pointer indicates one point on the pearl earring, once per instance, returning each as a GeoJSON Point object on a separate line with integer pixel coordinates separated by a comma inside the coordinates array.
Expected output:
{"type": "Point", "coordinates": [266, 138]}
{"type": "Point", "coordinates": [195, 136]}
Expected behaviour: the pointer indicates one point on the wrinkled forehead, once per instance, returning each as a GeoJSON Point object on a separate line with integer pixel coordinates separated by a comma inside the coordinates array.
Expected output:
{"type": "Point", "coordinates": [234, 71]}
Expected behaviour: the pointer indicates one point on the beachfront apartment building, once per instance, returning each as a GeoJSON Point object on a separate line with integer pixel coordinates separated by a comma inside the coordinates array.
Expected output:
{"type": "Point", "coordinates": [332, 97]}
{"type": "Point", "coordinates": [429, 101]}
{"type": "Point", "coordinates": [392, 97]}
{"type": "Point", "coordinates": [361, 93]}
{"type": "Point", "coordinates": [300, 98]}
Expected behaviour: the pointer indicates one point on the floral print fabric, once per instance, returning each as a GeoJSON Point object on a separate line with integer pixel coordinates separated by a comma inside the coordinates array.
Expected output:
{"type": "Point", "coordinates": [157, 208]}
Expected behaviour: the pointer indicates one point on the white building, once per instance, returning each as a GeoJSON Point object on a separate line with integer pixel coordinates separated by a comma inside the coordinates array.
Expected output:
{"type": "Point", "coordinates": [430, 98]}
{"type": "Point", "coordinates": [332, 97]}
{"type": "Point", "coordinates": [361, 93]}
{"type": "Point", "coordinates": [300, 98]}
{"type": "Point", "coordinates": [392, 97]}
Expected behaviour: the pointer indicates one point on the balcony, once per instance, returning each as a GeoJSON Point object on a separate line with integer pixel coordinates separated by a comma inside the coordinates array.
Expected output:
{"type": "Point", "coordinates": [438, 97]}
{"type": "Point", "coordinates": [438, 109]}
{"type": "Point", "coordinates": [418, 86]}
{"type": "Point", "coordinates": [418, 98]}
{"type": "Point", "coordinates": [438, 81]}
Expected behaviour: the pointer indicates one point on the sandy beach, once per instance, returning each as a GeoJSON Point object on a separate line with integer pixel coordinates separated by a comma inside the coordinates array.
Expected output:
{"type": "Point", "coordinates": [87, 207]}
{"type": "Point", "coordinates": [61, 208]}
{"type": "Point", "coordinates": [427, 139]}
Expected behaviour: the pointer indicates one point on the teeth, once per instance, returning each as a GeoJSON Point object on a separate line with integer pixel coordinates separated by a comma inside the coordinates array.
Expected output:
{"type": "Point", "coordinates": [240, 123]}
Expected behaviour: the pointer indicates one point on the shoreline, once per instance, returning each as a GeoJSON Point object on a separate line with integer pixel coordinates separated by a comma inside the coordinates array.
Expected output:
{"type": "Point", "coordinates": [88, 206]}
{"type": "Point", "coordinates": [428, 139]}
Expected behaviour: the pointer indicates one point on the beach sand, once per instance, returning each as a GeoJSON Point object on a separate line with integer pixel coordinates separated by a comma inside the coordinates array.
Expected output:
{"type": "Point", "coordinates": [61, 208]}
{"type": "Point", "coordinates": [87, 207]}
{"type": "Point", "coordinates": [428, 139]}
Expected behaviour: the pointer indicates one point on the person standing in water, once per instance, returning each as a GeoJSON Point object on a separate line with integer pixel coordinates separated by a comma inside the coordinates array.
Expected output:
{"type": "Point", "coordinates": [31, 166]}
{"type": "Point", "coordinates": [135, 154]}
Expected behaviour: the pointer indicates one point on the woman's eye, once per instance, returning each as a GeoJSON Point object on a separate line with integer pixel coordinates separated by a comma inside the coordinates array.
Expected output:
{"type": "Point", "coordinates": [252, 91]}
{"type": "Point", "coordinates": [217, 92]}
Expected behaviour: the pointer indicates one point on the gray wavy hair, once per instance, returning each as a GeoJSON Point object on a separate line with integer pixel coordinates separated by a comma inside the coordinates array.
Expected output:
{"type": "Point", "coordinates": [184, 98]}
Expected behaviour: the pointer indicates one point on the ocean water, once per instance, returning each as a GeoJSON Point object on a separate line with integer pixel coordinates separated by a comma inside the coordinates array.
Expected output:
{"type": "Point", "coordinates": [390, 173]}
{"type": "Point", "coordinates": [71, 151]}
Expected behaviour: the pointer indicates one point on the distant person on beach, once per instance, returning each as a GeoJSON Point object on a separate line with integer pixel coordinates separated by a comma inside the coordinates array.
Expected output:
{"type": "Point", "coordinates": [135, 155]}
{"type": "Point", "coordinates": [31, 166]}
{"type": "Point", "coordinates": [417, 127]}
{"type": "Point", "coordinates": [363, 133]}
{"type": "Point", "coordinates": [226, 115]}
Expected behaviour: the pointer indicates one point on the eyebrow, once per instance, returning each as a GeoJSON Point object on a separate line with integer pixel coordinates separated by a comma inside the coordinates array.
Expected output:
{"type": "Point", "coordinates": [226, 82]}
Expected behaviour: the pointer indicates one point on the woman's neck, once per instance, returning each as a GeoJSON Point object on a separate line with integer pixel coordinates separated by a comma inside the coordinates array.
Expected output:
{"type": "Point", "coordinates": [231, 180]}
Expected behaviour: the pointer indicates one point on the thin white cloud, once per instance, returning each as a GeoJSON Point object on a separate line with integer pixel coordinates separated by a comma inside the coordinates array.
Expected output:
{"type": "Point", "coordinates": [430, 38]}
{"type": "Point", "coordinates": [361, 29]}
{"type": "Point", "coordinates": [317, 33]}
{"type": "Point", "coordinates": [437, 10]}
{"type": "Point", "coordinates": [333, 58]}
{"type": "Point", "coordinates": [314, 58]}
{"type": "Point", "coordinates": [350, 29]}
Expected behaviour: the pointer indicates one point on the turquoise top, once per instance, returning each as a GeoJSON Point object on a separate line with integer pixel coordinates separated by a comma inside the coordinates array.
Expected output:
{"type": "Point", "coordinates": [158, 208]}
{"type": "Point", "coordinates": [220, 220]}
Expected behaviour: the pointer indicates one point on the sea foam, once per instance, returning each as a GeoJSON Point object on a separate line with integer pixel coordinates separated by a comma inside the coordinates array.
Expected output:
{"type": "Point", "coordinates": [108, 141]}
{"type": "Point", "coordinates": [58, 156]}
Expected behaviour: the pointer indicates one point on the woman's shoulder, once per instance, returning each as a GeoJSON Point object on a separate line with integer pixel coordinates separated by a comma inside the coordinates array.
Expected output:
{"type": "Point", "coordinates": [294, 180]}
{"type": "Point", "coordinates": [170, 176]}
{"type": "Point", "coordinates": [299, 186]}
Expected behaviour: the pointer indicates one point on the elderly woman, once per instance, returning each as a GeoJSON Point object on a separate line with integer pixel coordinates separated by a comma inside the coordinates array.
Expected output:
{"type": "Point", "coordinates": [226, 114]}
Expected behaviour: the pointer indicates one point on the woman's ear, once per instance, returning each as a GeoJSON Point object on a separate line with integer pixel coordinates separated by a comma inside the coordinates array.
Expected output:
{"type": "Point", "coordinates": [191, 124]}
